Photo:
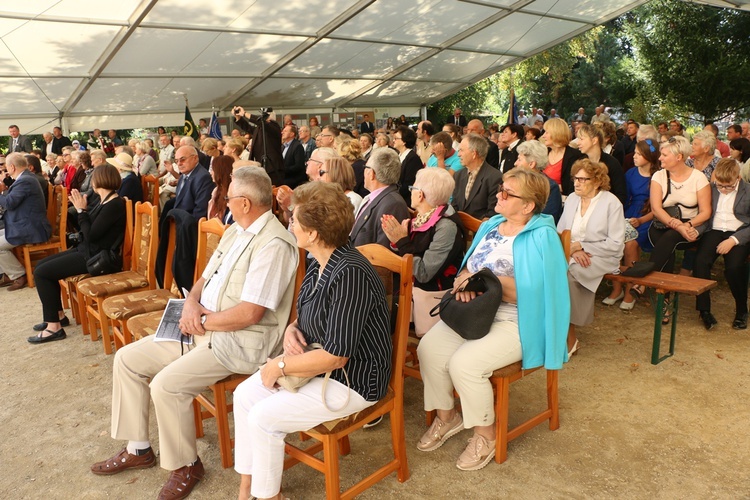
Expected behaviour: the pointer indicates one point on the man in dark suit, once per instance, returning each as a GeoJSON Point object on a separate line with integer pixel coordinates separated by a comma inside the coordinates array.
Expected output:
{"type": "Point", "coordinates": [266, 145]}
{"type": "Point", "coordinates": [25, 219]}
{"type": "Point", "coordinates": [381, 176]}
{"type": "Point", "coordinates": [457, 118]}
{"type": "Point", "coordinates": [493, 152]}
{"type": "Point", "coordinates": [18, 143]}
{"type": "Point", "coordinates": [477, 182]}
{"type": "Point", "coordinates": [512, 135]}
{"type": "Point", "coordinates": [404, 139]}
{"type": "Point", "coordinates": [294, 157]}
{"type": "Point", "coordinates": [194, 186]}
{"type": "Point", "coordinates": [366, 127]}
{"type": "Point", "coordinates": [59, 141]}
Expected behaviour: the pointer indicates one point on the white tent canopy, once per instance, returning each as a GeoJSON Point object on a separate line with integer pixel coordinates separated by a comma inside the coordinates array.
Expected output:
{"type": "Point", "coordinates": [128, 63]}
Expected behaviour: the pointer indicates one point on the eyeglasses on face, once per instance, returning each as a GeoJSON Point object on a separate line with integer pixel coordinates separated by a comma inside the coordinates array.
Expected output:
{"type": "Point", "coordinates": [227, 198]}
{"type": "Point", "coordinates": [726, 187]}
{"type": "Point", "coordinates": [313, 160]}
{"type": "Point", "coordinates": [582, 180]}
{"type": "Point", "coordinates": [505, 194]}
{"type": "Point", "coordinates": [184, 158]}
{"type": "Point", "coordinates": [415, 188]}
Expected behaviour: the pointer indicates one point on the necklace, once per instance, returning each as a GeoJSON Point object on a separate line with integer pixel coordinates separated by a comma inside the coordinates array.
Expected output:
{"type": "Point", "coordinates": [675, 185]}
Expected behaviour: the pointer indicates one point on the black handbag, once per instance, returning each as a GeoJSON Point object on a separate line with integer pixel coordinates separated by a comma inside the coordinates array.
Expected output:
{"type": "Point", "coordinates": [472, 320]}
{"type": "Point", "coordinates": [106, 261]}
{"type": "Point", "coordinates": [639, 269]}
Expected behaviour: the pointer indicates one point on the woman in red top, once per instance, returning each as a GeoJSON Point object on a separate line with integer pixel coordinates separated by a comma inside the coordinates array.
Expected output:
{"type": "Point", "coordinates": [556, 137]}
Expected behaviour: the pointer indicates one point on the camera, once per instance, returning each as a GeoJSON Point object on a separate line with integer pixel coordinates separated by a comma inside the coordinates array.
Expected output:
{"type": "Point", "coordinates": [74, 239]}
{"type": "Point", "coordinates": [235, 110]}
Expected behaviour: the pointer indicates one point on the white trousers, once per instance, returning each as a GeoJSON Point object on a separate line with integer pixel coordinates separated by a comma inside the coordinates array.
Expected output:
{"type": "Point", "coordinates": [447, 360]}
{"type": "Point", "coordinates": [263, 417]}
{"type": "Point", "coordinates": [8, 262]}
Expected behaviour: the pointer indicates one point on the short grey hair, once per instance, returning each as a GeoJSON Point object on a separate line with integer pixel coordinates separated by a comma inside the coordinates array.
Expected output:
{"type": "Point", "coordinates": [143, 146]}
{"type": "Point", "coordinates": [387, 166]}
{"type": "Point", "coordinates": [98, 153]}
{"type": "Point", "coordinates": [255, 184]}
{"type": "Point", "coordinates": [128, 150]}
{"type": "Point", "coordinates": [478, 144]}
{"type": "Point", "coordinates": [18, 160]}
{"type": "Point", "coordinates": [188, 141]}
{"type": "Point", "coordinates": [647, 132]}
{"type": "Point", "coordinates": [326, 153]}
{"type": "Point", "coordinates": [707, 138]}
{"type": "Point", "coordinates": [534, 151]}
{"type": "Point", "coordinates": [436, 184]}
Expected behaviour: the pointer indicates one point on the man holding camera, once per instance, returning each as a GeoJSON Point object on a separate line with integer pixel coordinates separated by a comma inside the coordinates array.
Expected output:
{"type": "Point", "coordinates": [266, 145]}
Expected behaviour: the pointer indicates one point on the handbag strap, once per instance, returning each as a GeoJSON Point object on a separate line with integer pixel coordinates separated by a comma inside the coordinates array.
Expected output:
{"type": "Point", "coordinates": [327, 377]}
{"type": "Point", "coordinates": [669, 189]}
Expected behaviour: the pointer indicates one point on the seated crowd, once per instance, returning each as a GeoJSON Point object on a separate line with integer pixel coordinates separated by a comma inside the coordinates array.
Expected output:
{"type": "Point", "coordinates": [325, 191]}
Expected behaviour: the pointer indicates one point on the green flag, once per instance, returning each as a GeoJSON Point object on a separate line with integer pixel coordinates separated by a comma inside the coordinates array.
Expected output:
{"type": "Point", "coordinates": [190, 128]}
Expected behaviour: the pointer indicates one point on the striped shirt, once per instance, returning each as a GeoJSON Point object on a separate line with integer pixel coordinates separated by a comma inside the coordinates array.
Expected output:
{"type": "Point", "coordinates": [345, 310]}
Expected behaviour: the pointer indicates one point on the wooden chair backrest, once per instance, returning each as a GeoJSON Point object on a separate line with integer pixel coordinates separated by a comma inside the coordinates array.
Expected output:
{"type": "Point", "coordinates": [150, 185]}
{"type": "Point", "coordinates": [565, 240]}
{"type": "Point", "coordinates": [59, 215]}
{"type": "Point", "coordinates": [209, 234]}
{"type": "Point", "coordinates": [127, 242]}
{"type": "Point", "coordinates": [50, 202]}
{"type": "Point", "coordinates": [381, 257]}
{"type": "Point", "coordinates": [298, 279]}
{"type": "Point", "coordinates": [145, 241]}
{"type": "Point", "coordinates": [471, 225]}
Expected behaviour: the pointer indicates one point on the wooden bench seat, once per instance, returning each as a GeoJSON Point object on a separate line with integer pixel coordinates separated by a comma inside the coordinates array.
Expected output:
{"type": "Point", "coordinates": [664, 283]}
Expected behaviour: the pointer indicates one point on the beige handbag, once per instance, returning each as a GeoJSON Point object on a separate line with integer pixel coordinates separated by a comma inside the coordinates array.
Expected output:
{"type": "Point", "coordinates": [292, 383]}
{"type": "Point", "coordinates": [423, 302]}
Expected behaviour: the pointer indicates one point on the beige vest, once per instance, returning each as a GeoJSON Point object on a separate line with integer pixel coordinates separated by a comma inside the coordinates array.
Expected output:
{"type": "Point", "coordinates": [243, 351]}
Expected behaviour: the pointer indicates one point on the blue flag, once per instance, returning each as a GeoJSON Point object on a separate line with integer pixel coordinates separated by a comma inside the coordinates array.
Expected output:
{"type": "Point", "coordinates": [214, 130]}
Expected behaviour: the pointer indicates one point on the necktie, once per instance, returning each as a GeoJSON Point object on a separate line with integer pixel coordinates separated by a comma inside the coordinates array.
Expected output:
{"type": "Point", "coordinates": [469, 184]}
{"type": "Point", "coordinates": [15, 144]}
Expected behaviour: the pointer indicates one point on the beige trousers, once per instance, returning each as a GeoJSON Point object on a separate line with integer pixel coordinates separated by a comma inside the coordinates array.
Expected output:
{"type": "Point", "coordinates": [157, 369]}
{"type": "Point", "coordinates": [447, 360]}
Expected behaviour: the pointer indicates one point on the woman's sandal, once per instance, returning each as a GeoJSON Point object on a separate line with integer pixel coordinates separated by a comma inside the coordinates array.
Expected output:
{"type": "Point", "coordinates": [637, 291]}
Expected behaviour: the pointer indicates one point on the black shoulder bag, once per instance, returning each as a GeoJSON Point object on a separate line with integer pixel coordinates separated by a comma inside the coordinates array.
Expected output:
{"type": "Point", "coordinates": [674, 211]}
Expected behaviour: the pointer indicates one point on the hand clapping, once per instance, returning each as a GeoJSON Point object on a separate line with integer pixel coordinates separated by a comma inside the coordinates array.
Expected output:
{"type": "Point", "coordinates": [79, 200]}
{"type": "Point", "coordinates": [392, 229]}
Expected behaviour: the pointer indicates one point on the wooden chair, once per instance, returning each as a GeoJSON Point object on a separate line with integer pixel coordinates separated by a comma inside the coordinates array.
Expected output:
{"type": "Point", "coordinates": [120, 308]}
{"type": "Point", "coordinates": [219, 408]}
{"type": "Point", "coordinates": [57, 215]}
{"type": "Point", "coordinates": [141, 275]}
{"type": "Point", "coordinates": [330, 434]}
{"type": "Point", "coordinates": [150, 186]}
{"type": "Point", "coordinates": [68, 290]}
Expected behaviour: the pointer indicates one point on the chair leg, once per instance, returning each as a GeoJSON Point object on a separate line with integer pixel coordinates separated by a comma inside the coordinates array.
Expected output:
{"type": "Point", "coordinates": [64, 296]}
{"type": "Point", "coordinates": [104, 323]}
{"type": "Point", "coordinates": [501, 419]}
{"type": "Point", "coordinates": [553, 401]}
{"type": "Point", "coordinates": [198, 416]}
{"type": "Point", "coordinates": [91, 323]}
{"type": "Point", "coordinates": [345, 447]}
{"type": "Point", "coordinates": [29, 270]}
{"type": "Point", "coordinates": [331, 458]}
{"type": "Point", "coordinates": [118, 334]}
{"type": "Point", "coordinates": [222, 425]}
{"type": "Point", "coordinates": [398, 436]}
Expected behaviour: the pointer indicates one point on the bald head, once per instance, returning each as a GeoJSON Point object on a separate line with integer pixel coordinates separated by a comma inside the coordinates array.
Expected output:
{"type": "Point", "coordinates": [475, 127]}
{"type": "Point", "coordinates": [186, 158]}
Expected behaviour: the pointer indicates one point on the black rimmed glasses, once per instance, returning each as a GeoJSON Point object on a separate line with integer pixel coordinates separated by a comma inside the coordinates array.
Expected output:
{"type": "Point", "coordinates": [726, 187]}
{"type": "Point", "coordinates": [227, 198]}
{"type": "Point", "coordinates": [414, 188]}
{"type": "Point", "coordinates": [581, 180]}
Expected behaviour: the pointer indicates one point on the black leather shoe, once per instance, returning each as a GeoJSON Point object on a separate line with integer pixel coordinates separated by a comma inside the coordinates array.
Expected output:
{"type": "Point", "coordinates": [40, 327]}
{"type": "Point", "coordinates": [38, 339]}
{"type": "Point", "coordinates": [740, 322]}
{"type": "Point", "coordinates": [708, 319]}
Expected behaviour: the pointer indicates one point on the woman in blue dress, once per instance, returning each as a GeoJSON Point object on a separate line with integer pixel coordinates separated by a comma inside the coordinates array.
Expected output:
{"type": "Point", "coordinates": [638, 215]}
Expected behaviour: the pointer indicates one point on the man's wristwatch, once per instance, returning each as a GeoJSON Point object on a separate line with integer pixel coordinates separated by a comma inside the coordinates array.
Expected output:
{"type": "Point", "coordinates": [282, 365]}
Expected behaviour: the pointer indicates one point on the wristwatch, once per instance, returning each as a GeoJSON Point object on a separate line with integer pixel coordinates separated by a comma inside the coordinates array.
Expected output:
{"type": "Point", "coordinates": [282, 365]}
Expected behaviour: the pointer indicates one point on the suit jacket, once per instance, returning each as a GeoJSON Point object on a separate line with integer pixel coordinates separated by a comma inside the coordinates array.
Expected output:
{"type": "Point", "coordinates": [570, 156]}
{"type": "Point", "coordinates": [493, 155]}
{"type": "Point", "coordinates": [294, 165]}
{"type": "Point", "coordinates": [367, 228]}
{"type": "Point", "coordinates": [131, 188]}
{"type": "Point", "coordinates": [25, 212]}
{"type": "Point", "coordinates": [309, 148]}
{"type": "Point", "coordinates": [452, 120]}
{"type": "Point", "coordinates": [366, 127]}
{"type": "Point", "coordinates": [194, 192]}
{"type": "Point", "coordinates": [741, 210]}
{"type": "Point", "coordinates": [508, 158]}
{"type": "Point", "coordinates": [272, 147]}
{"type": "Point", "coordinates": [23, 145]}
{"type": "Point", "coordinates": [616, 178]}
{"type": "Point", "coordinates": [483, 196]}
{"type": "Point", "coordinates": [58, 144]}
{"type": "Point", "coordinates": [409, 168]}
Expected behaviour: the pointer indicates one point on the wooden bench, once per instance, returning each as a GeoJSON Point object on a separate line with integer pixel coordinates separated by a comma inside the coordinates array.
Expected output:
{"type": "Point", "coordinates": [665, 283]}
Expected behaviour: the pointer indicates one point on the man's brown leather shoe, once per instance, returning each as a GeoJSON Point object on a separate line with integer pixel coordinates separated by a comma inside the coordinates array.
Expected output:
{"type": "Point", "coordinates": [182, 481]}
{"type": "Point", "coordinates": [18, 284]}
{"type": "Point", "coordinates": [5, 281]}
{"type": "Point", "coordinates": [124, 461]}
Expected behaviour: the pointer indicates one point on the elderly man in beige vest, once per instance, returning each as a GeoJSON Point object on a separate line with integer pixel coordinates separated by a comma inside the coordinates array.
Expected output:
{"type": "Point", "coordinates": [236, 314]}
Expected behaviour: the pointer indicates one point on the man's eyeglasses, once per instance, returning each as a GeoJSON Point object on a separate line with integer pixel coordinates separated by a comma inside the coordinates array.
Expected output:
{"type": "Point", "coordinates": [582, 180]}
{"type": "Point", "coordinates": [414, 188]}
{"type": "Point", "coordinates": [726, 187]}
{"type": "Point", "coordinates": [505, 194]}
{"type": "Point", "coordinates": [184, 158]}
{"type": "Point", "coordinates": [227, 198]}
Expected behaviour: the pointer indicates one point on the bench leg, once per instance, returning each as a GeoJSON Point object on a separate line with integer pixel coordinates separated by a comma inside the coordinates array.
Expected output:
{"type": "Point", "coordinates": [659, 314]}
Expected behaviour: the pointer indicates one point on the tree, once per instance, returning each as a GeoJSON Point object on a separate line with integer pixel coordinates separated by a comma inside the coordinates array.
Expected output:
{"type": "Point", "coordinates": [697, 57]}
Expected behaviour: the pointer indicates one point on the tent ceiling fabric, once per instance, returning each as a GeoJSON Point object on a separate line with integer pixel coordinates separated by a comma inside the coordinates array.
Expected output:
{"type": "Point", "coordinates": [87, 59]}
